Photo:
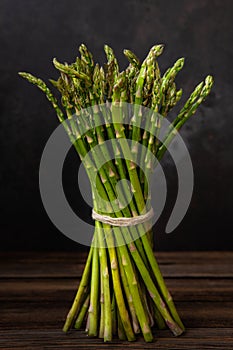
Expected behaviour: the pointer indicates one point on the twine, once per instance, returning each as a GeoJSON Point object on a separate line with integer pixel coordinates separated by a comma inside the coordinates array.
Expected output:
{"type": "Point", "coordinates": [122, 221]}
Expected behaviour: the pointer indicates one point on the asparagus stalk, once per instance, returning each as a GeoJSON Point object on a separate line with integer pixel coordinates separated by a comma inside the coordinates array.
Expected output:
{"type": "Point", "coordinates": [107, 316]}
{"type": "Point", "coordinates": [196, 98]}
{"type": "Point", "coordinates": [82, 313]}
{"type": "Point", "coordinates": [94, 304]}
{"type": "Point", "coordinates": [77, 301]}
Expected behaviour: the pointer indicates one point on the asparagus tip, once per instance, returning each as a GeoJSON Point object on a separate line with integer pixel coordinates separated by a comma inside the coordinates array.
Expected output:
{"type": "Point", "coordinates": [157, 50]}
{"type": "Point", "coordinates": [23, 74]}
{"type": "Point", "coordinates": [55, 61]}
{"type": "Point", "coordinates": [209, 80]}
{"type": "Point", "coordinates": [180, 62]}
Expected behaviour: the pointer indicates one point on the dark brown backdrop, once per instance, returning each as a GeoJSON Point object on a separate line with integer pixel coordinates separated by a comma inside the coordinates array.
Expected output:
{"type": "Point", "coordinates": [32, 32]}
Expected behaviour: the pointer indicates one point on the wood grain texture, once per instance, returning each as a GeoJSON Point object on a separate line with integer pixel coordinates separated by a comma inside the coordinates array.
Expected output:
{"type": "Point", "coordinates": [36, 291]}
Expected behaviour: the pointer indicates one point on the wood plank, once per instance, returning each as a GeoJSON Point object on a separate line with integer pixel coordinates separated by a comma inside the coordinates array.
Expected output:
{"type": "Point", "coordinates": [172, 257]}
{"type": "Point", "coordinates": [70, 265]}
{"type": "Point", "coordinates": [201, 289]}
{"type": "Point", "coordinates": [58, 289]}
{"type": "Point", "coordinates": [50, 314]}
{"type": "Point", "coordinates": [193, 339]}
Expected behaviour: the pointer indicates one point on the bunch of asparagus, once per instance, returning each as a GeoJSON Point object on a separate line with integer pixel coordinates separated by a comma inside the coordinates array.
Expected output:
{"type": "Point", "coordinates": [122, 291]}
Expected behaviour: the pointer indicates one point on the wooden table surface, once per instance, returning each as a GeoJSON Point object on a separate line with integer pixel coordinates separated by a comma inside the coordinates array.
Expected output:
{"type": "Point", "coordinates": [36, 291]}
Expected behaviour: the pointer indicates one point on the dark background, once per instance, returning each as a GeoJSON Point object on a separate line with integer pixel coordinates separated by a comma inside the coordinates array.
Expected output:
{"type": "Point", "coordinates": [32, 32]}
